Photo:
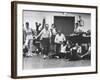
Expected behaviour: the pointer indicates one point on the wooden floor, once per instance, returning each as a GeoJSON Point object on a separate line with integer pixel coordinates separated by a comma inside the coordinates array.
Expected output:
{"type": "Point", "coordinates": [37, 62]}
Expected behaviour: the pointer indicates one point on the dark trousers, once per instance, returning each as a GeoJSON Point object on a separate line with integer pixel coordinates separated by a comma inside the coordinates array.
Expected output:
{"type": "Point", "coordinates": [58, 46]}
{"type": "Point", "coordinates": [52, 39]}
{"type": "Point", "coordinates": [75, 55]}
{"type": "Point", "coordinates": [62, 55]}
{"type": "Point", "coordinates": [46, 45]}
{"type": "Point", "coordinates": [52, 44]}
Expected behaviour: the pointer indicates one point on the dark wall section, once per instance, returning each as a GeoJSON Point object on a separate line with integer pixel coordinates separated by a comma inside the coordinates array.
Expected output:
{"type": "Point", "coordinates": [65, 24]}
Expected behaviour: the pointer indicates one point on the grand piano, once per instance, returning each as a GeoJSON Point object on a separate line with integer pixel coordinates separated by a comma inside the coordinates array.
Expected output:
{"type": "Point", "coordinates": [79, 38]}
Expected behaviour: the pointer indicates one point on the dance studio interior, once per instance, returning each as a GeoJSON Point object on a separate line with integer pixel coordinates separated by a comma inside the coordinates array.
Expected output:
{"type": "Point", "coordinates": [56, 39]}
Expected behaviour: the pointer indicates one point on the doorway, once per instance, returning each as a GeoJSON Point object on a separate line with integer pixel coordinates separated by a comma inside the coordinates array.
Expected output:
{"type": "Point", "coordinates": [65, 24]}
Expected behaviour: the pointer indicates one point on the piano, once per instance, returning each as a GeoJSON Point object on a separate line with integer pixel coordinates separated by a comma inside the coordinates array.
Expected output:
{"type": "Point", "coordinates": [79, 38]}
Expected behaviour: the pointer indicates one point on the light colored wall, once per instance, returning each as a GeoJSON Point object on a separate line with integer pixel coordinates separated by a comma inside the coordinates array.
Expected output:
{"type": "Point", "coordinates": [33, 16]}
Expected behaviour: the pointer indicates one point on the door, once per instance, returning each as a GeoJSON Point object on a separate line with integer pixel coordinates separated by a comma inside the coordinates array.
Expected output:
{"type": "Point", "coordinates": [65, 24]}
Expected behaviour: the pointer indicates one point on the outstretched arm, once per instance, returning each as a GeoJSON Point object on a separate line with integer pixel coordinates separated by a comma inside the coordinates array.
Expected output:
{"type": "Point", "coordinates": [39, 34]}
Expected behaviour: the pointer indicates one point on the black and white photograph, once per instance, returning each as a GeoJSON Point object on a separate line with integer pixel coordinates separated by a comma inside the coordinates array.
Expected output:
{"type": "Point", "coordinates": [54, 39]}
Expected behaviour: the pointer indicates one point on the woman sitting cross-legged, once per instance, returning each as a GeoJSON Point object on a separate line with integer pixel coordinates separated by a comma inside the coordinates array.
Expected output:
{"type": "Point", "coordinates": [76, 52]}
{"type": "Point", "coordinates": [87, 55]}
{"type": "Point", "coordinates": [64, 52]}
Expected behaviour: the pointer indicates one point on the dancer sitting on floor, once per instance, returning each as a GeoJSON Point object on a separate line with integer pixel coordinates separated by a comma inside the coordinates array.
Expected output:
{"type": "Point", "coordinates": [64, 52]}
{"type": "Point", "coordinates": [76, 52]}
{"type": "Point", "coordinates": [87, 55]}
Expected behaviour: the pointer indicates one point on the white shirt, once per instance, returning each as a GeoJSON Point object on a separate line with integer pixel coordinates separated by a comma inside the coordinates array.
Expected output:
{"type": "Point", "coordinates": [29, 34]}
{"type": "Point", "coordinates": [59, 38]}
{"type": "Point", "coordinates": [53, 31]}
{"type": "Point", "coordinates": [80, 29]}
{"type": "Point", "coordinates": [29, 31]}
{"type": "Point", "coordinates": [63, 49]}
{"type": "Point", "coordinates": [44, 34]}
{"type": "Point", "coordinates": [79, 50]}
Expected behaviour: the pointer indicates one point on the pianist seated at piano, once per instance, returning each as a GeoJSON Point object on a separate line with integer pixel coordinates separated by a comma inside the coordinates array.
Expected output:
{"type": "Point", "coordinates": [81, 32]}
{"type": "Point", "coordinates": [79, 29]}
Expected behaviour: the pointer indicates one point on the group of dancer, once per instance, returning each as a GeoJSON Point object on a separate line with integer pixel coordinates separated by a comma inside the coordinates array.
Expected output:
{"type": "Point", "coordinates": [53, 40]}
